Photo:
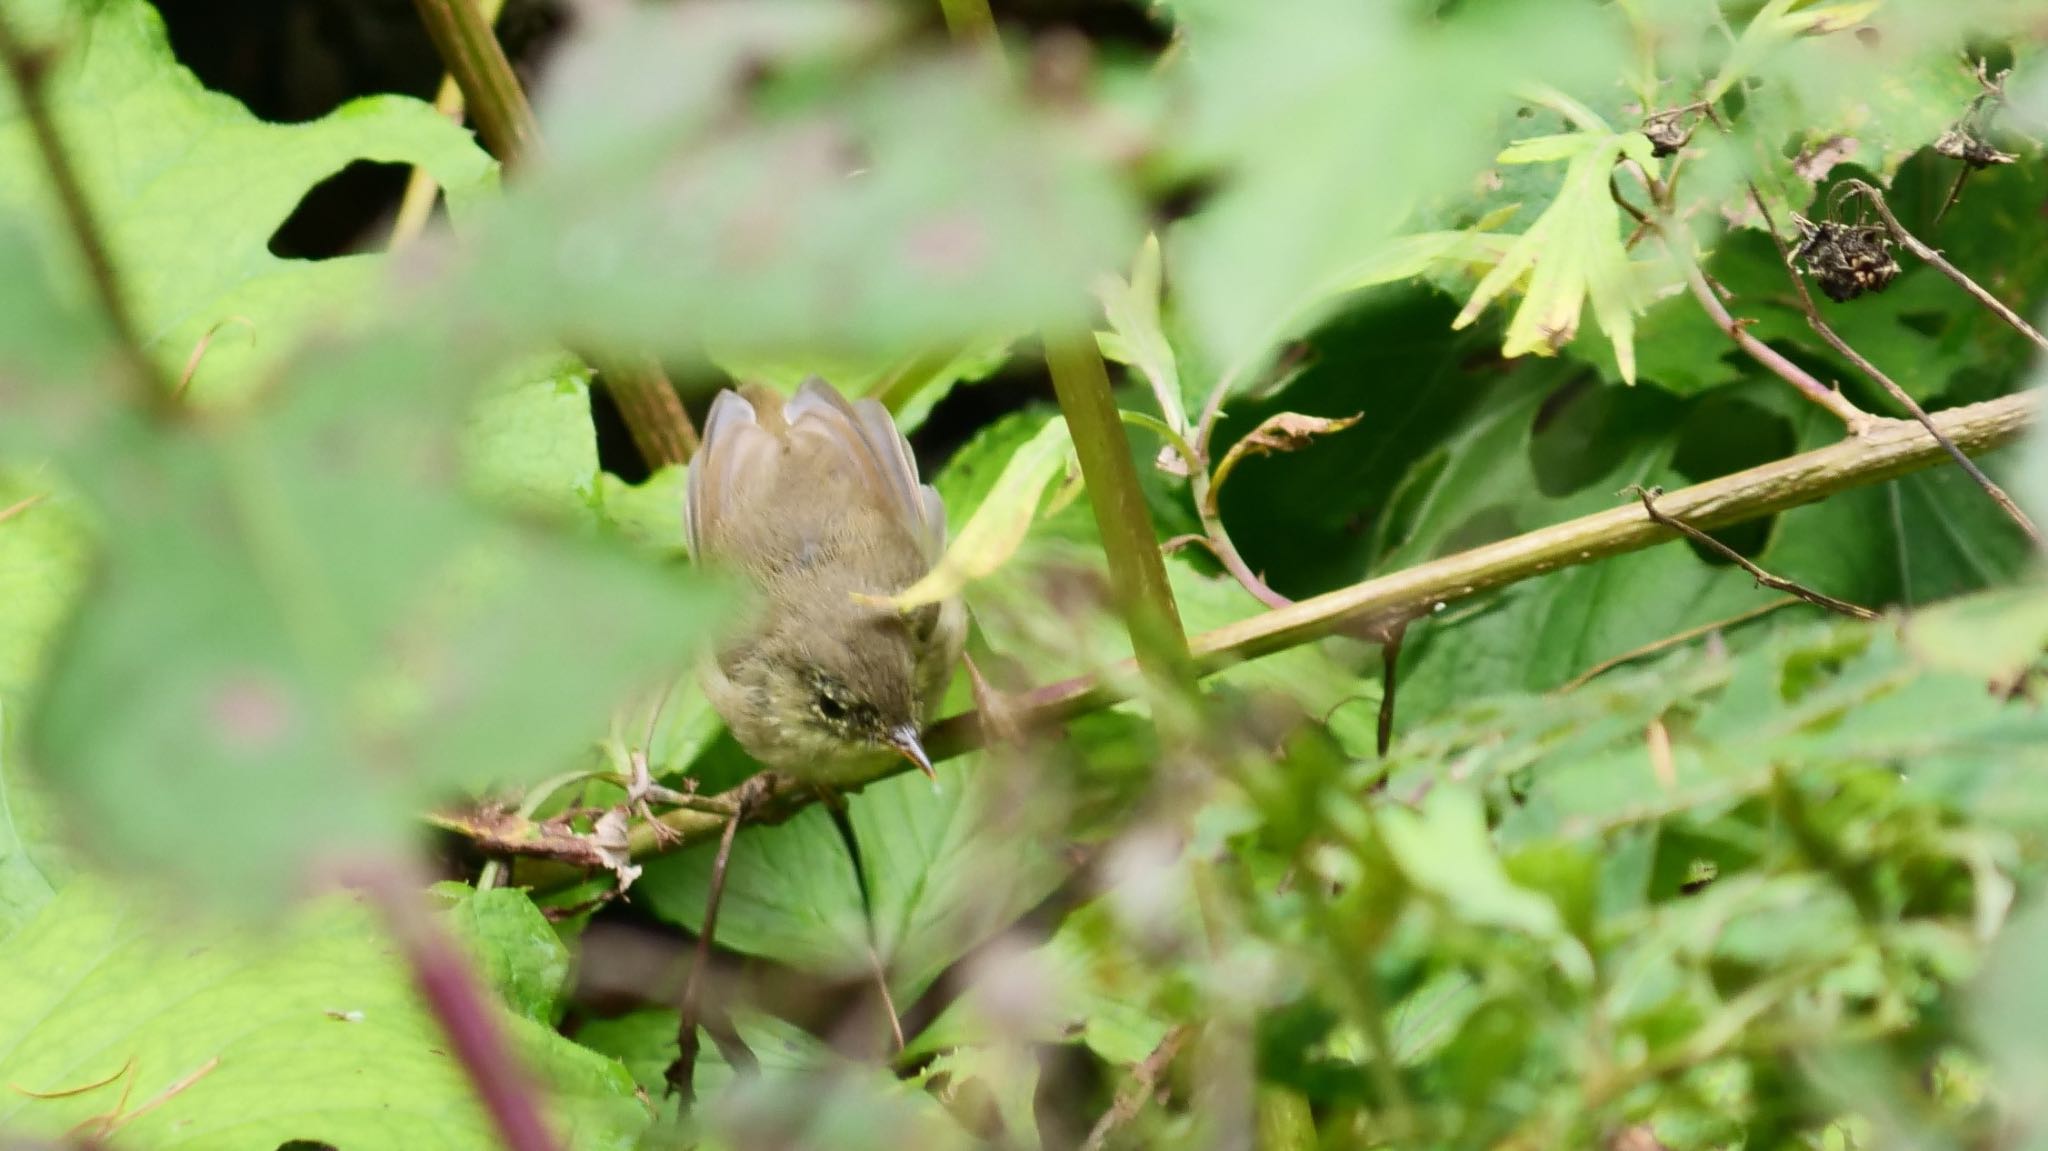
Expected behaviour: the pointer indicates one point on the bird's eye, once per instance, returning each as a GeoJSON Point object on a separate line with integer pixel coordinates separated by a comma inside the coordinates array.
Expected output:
{"type": "Point", "coordinates": [831, 709]}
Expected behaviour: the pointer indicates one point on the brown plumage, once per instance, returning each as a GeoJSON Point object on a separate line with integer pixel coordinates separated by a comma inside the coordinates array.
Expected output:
{"type": "Point", "coordinates": [816, 501]}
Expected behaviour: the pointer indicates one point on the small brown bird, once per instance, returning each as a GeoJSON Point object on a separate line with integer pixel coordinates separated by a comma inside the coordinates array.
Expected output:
{"type": "Point", "coordinates": [817, 502]}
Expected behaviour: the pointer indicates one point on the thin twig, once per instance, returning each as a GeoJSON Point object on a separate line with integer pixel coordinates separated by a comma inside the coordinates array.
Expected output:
{"type": "Point", "coordinates": [443, 978]}
{"type": "Point", "coordinates": [1762, 577]}
{"type": "Point", "coordinates": [1852, 417]}
{"type": "Point", "coordinates": [1130, 543]}
{"type": "Point", "coordinates": [1136, 1093]}
{"type": "Point", "coordinates": [1913, 244]}
{"type": "Point", "coordinates": [1390, 680]}
{"type": "Point", "coordinates": [1217, 539]}
{"type": "Point", "coordinates": [1891, 448]}
{"type": "Point", "coordinates": [1670, 641]}
{"type": "Point", "coordinates": [681, 1074]}
{"type": "Point", "coordinates": [29, 69]}
{"type": "Point", "coordinates": [1835, 341]}
{"type": "Point", "coordinates": [416, 206]}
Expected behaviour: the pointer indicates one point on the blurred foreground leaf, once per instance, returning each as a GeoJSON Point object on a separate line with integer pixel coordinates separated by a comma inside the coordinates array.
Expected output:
{"type": "Point", "coordinates": [754, 203]}
{"type": "Point", "coordinates": [301, 632]}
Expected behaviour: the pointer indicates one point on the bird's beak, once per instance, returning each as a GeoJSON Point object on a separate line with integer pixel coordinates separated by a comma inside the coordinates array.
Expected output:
{"type": "Point", "coordinates": [904, 740]}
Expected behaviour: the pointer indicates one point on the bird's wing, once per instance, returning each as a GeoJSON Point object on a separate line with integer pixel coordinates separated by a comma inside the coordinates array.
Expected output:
{"type": "Point", "coordinates": [737, 456]}
{"type": "Point", "coordinates": [822, 419]}
{"type": "Point", "coordinates": [934, 522]}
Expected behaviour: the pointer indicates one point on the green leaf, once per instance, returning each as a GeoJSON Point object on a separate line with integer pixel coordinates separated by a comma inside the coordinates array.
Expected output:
{"type": "Point", "coordinates": [188, 187]}
{"type": "Point", "coordinates": [1445, 850]}
{"type": "Point", "coordinates": [992, 534]}
{"type": "Point", "coordinates": [1922, 331]}
{"type": "Point", "coordinates": [1065, 556]}
{"type": "Point", "coordinates": [649, 513]}
{"type": "Point", "coordinates": [798, 1084]}
{"type": "Point", "coordinates": [513, 946]}
{"type": "Point", "coordinates": [45, 556]}
{"type": "Point", "coordinates": [947, 870]}
{"type": "Point", "coordinates": [790, 895]}
{"type": "Point", "coordinates": [1817, 698]}
{"type": "Point", "coordinates": [1574, 253]}
{"type": "Point", "coordinates": [1001, 1079]}
{"type": "Point", "coordinates": [1918, 539]}
{"type": "Point", "coordinates": [314, 1033]}
{"type": "Point", "coordinates": [32, 866]}
{"type": "Point", "coordinates": [1137, 337]}
{"type": "Point", "coordinates": [645, 1042]}
{"type": "Point", "coordinates": [1329, 514]}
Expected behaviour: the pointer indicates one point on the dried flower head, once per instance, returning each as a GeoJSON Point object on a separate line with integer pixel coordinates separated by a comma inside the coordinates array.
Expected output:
{"type": "Point", "coordinates": [1847, 259]}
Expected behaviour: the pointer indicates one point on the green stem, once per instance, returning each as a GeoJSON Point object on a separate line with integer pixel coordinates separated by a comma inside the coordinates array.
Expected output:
{"type": "Point", "coordinates": [1137, 574]}
{"type": "Point", "coordinates": [421, 191]}
{"type": "Point", "coordinates": [970, 21]}
{"type": "Point", "coordinates": [471, 53]}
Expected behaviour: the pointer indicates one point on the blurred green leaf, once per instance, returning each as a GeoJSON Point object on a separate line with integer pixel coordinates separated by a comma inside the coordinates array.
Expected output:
{"type": "Point", "coordinates": [1084, 984]}
{"type": "Point", "coordinates": [528, 445]}
{"type": "Point", "coordinates": [1445, 850]}
{"type": "Point", "coordinates": [314, 1033]}
{"type": "Point", "coordinates": [45, 557]}
{"type": "Point", "coordinates": [188, 188]}
{"type": "Point", "coordinates": [2010, 1014]}
{"type": "Point", "coordinates": [32, 868]}
{"type": "Point", "coordinates": [754, 203]}
{"type": "Point", "coordinates": [309, 633]}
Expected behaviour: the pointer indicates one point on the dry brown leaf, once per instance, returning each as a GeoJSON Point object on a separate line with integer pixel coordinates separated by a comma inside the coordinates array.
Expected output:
{"type": "Point", "coordinates": [1285, 432]}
